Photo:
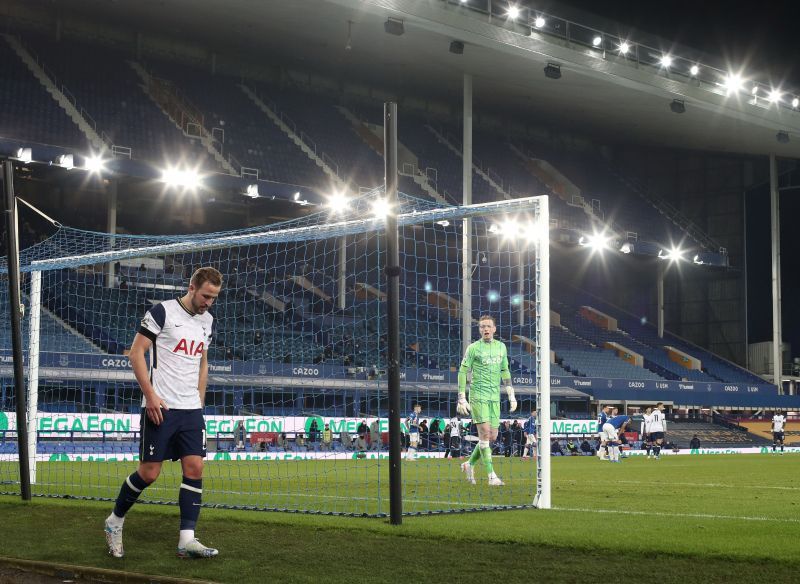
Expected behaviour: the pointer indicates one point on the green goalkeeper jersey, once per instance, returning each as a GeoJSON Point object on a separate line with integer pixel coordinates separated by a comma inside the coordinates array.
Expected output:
{"type": "Point", "coordinates": [489, 365]}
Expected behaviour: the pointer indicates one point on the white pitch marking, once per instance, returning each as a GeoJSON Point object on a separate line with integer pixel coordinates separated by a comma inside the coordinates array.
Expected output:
{"type": "Point", "coordinates": [689, 515]}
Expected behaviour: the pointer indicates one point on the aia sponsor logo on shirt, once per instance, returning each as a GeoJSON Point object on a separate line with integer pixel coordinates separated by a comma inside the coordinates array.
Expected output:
{"type": "Point", "coordinates": [190, 348]}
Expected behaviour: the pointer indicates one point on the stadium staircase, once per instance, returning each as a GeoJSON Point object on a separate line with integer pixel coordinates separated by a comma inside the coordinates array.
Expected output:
{"type": "Point", "coordinates": [302, 140]}
{"type": "Point", "coordinates": [408, 163]}
{"type": "Point", "coordinates": [59, 92]}
{"type": "Point", "coordinates": [186, 117]}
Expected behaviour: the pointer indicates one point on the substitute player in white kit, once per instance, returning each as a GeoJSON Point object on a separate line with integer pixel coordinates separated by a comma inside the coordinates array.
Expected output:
{"type": "Point", "coordinates": [177, 333]}
{"type": "Point", "coordinates": [778, 425]}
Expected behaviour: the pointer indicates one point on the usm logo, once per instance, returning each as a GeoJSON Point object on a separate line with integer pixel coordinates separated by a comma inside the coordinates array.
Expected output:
{"type": "Point", "coordinates": [189, 348]}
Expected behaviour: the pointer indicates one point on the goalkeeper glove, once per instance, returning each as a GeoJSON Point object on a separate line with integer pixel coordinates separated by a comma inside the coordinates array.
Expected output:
{"type": "Point", "coordinates": [512, 399]}
{"type": "Point", "coordinates": [463, 408]}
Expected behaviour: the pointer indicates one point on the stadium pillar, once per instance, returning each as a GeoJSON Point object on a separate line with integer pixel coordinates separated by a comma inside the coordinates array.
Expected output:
{"type": "Point", "coordinates": [777, 333]}
{"type": "Point", "coordinates": [660, 300]}
{"type": "Point", "coordinates": [393, 307]}
{"type": "Point", "coordinates": [111, 227]}
{"type": "Point", "coordinates": [466, 268]}
{"type": "Point", "coordinates": [15, 305]}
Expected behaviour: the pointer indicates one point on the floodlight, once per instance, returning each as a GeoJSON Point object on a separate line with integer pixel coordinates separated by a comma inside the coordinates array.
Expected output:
{"type": "Point", "coordinates": [492, 296]}
{"type": "Point", "coordinates": [666, 61]}
{"type": "Point", "coordinates": [626, 247]}
{"type": "Point", "coordinates": [677, 106]}
{"type": "Point", "coordinates": [516, 300]}
{"type": "Point", "coordinates": [509, 229]}
{"type": "Point", "coordinates": [251, 191]}
{"type": "Point", "coordinates": [534, 231]}
{"type": "Point", "coordinates": [673, 254]}
{"type": "Point", "coordinates": [338, 202]}
{"type": "Point", "coordinates": [795, 102]}
{"type": "Point", "coordinates": [188, 179]}
{"type": "Point", "coordinates": [733, 83]}
{"type": "Point", "coordinates": [597, 40]}
{"type": "Point", "coordinates": [624, 48]}
{"type": "Point", "coordinates": [694, 70]}
{"type": "Point", "coordinates": [381, 208]}
{"type": "Point", "coordinates": [539, 22]}
{"type": "Point", "coordinates": [596, 241]}
{"type": "Point", "coordinates": [296, 196]}
{"type": "Point", "coordinates": [428, 286]}
{"type": "Point", "coordinates": [494, 228]}
{"type": "Point", "coordinates": [552, 71]}
{"type": "Point", "coordinates": [94, 163]}
{"type": "Point", "coordinates": [754, 91]}
{"type": "Point", "coordinates": [775, 96]}
{"type": "Point", "coordinates": [25, 154]}
{"type": "Point", "coordinates": [513, 12]}
{"type": "Point", "coordinates": [698, 261]}
{"type": "Point", "coordinates": [65, 161]}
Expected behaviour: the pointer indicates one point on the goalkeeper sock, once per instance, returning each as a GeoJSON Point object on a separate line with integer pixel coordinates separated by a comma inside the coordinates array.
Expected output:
{"type": "Point", "coordinates": [486, 454]}
{"type": "Point", "coordinates": [128, 494]}
{"type": "Point", "coordinates": [476, 454]}
{"type": "Point", "coordinates": [189, 497]}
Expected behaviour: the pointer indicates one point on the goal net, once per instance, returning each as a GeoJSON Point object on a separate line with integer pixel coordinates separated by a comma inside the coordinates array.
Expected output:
{"type": "Point", "coordinates": [296, 406]}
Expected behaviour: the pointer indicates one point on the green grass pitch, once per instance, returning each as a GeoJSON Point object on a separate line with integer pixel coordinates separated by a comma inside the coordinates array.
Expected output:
{"type": "Point", "coordinates": [713, 518]}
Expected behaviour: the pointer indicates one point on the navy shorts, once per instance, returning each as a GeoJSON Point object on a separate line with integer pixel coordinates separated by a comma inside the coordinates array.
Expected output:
{"type": "Point", "coordinates": [182, 433]}
{"type": "Point", "coordinates": [777, 436]}
{"type": "Point", "coordinates": [656, 436]}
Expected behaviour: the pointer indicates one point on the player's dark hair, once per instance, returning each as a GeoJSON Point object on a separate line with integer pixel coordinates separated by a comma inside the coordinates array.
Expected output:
{"type": "Point", "coordinates": [203, 275]}
{"type": "Point", "coordinates": [487, 317]}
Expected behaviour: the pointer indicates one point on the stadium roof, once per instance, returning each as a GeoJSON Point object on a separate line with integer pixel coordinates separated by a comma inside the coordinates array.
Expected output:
{"type": "Point", "coordinates": [594, 95]}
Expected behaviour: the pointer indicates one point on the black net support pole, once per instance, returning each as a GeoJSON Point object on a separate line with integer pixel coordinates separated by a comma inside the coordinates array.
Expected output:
{"type": "Point", "coordinates": [393, 308]}
{"type": "Point", "coordinates": [15, 306]}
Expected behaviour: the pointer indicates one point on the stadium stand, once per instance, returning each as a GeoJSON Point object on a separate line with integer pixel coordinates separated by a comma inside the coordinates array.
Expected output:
{"type": "Point", "coordinates": [712, 435]}
{"type": "Point", "coordinates": [762, 430]}
{"type": "Point", "coordinates": [27, 111]}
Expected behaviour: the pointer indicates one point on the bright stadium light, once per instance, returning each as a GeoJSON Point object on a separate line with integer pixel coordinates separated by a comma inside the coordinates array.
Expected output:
{"type": "Point", "coordinates": [187, 179]}
{"type": "Point", "coordinates": [534, 231]}
{"type": "Point", "coordinates": [338, 202]}
{"type": "Point", "coordinates": [509, 229]}
{"type": "Point", "coordinates": [94, 163]}
{"type": "Point", "coordinates": [494, 228]}
{"type": "Point", "coordinates": [733, 83]}
{"type": "Point", "coordinates": [666, 61]}
{"type": "Point", "coordinates": [25, 154]}
{"type": "Point", "coordinates": [428, 287]}
{"type": "Point", "coordinates": [65, 161]}
{"type": "Point", "coordinates": [513, 12]}
{"type": "Point", "coordinates": [251, 191]}
{"type": "Point", "coordinates": [597, 40]}
{"type": "Point", "coordinates": [754, 91]}
{"type": "Point", "coordinates": [775, 96]}
{"type": "Point", "coordinates": [492, 296]}
{"type": "Point", "coordinates": [626, 248]}
{"type": "Point", "coordinates": [674, 254]}
{"type": "Point", "coordinates": [539, 22]}
{"type": "Point", "coordinates": [516, 300]}
{"type": "Point", "coordinates": [624, 48]}
{"type": "Point", "coordinates": [381, 208]}
{"type": "Point", "coordinates": [443, 223]}
{"type": "Point", "coordinates": [595, 242]}
{"type": "Point", "coordinates": [795, 102]}
{"type": "Point", "coordinates": [694, 70]}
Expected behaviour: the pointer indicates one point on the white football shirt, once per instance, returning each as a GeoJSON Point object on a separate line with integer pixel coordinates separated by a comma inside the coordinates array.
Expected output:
{"type": "Point", "coordinates": [778, 421]}
{"type": "Point", "coordinates": [657, 421]}
{"type": "Point", "coordinates": [179, 338]}
{"type": "Point", "coordinates": [647, 419]}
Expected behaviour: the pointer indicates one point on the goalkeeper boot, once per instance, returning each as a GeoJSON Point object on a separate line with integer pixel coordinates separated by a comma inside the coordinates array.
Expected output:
{"type": "Point", "coordinates": [466, 468]}
{"type": "Point", "coordinates": [114, 540]}
{"type": "Point", "coordinates": [195, 549]}
{"type": "Point", "coordinates": [494, 481]}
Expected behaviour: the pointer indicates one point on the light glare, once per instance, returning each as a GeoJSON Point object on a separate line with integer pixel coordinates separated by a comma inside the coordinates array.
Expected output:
{"type": "Point", "coordinates": [596, 41]}
{"type": "Point", "coordinates": [94, 163]}
{"type": "Point", "coordinates": [539, 22]}
{"type": "Point", "coordinates": [338, 202]}
{"type": "Point", "coordinates": [381, 208]}
{"type": "Point", "coordinates": [513, 12]}
{"type": "Point", "coordinates": [775, 96]}
{"type": "Point", "coordinates": [694, 70]}
{"type": "Point", "coordinates": [624, 48]}
{"type": "Point", "coordinates": [188, 179]}
{"type": "Point", "coordinates": [666, 61]}
{"type": "Point", "coordinates": [795, 102]}
{"type": "Point", "coordinates": [733, 83]}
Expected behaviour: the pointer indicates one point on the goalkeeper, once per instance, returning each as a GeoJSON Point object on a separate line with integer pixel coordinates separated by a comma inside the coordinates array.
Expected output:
{"type": "Point", "coordinates": [488, 361]}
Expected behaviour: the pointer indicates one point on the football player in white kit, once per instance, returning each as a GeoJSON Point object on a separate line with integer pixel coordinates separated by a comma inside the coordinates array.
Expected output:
{"type": "Point", "coordinates": [177, 334]}
{"type": "Point", "coordinates": [778, 424]}
{"type": "Point", "coordinates": [658, 425]}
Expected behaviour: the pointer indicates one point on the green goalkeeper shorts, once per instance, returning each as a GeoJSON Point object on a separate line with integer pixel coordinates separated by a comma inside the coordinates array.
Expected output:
{"type": "Point", "coordinates": [486, 411]}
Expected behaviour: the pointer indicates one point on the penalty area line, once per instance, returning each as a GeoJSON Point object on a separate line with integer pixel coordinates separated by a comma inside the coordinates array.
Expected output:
{"type": "Point", "coordinates": [685, 515]}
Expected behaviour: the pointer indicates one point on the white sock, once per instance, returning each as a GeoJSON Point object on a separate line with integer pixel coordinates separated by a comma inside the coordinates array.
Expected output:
{"type": "Point", "coordinates": [186, 535]}
{"type": "Point", "coordinates": [615, 453]}
{"type": "Point", "coordinates": [115, 521]}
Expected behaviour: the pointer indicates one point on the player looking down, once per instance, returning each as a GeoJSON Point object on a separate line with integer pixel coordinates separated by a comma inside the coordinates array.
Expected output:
{"type": "Point", "coordinates": [778, 423]}
{"type": "Point", "coordinates": [177, 333]}
{"type": "Point", "coordinates": [487, 360]}
{"type": "Point", "coordinates": [611, 432]}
